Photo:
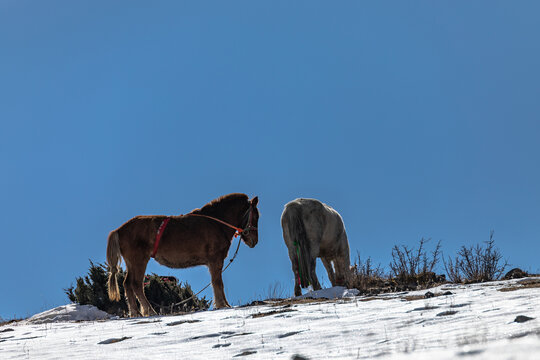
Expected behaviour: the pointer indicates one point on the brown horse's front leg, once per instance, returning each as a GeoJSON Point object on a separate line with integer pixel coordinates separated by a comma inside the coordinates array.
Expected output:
{"type": "Point", "coordinates": [217, 284]}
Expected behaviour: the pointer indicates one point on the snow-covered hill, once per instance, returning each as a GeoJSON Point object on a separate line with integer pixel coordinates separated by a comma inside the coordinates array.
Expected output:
{"type": "Point", "coordinates": [499, 320]}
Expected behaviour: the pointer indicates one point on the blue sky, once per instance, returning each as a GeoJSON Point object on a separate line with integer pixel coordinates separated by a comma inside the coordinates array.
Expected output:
{"type": "Point", "coordinates": [412, 119]}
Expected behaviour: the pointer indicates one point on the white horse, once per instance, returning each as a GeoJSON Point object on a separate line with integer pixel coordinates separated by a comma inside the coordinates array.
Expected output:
{"type": "Point", "coordinates": [312, 229]}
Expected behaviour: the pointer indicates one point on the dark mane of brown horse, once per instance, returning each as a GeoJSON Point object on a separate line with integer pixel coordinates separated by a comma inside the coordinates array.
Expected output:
{"type": "Point", "coordinates": [216, 205]}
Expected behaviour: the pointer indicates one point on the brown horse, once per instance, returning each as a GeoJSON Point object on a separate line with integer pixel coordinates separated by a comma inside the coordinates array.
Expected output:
{"type": "Point", "coordinates": [201, 237]}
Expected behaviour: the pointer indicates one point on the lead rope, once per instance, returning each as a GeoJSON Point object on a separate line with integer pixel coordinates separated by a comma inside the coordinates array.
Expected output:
{"type": "Point", "coordinates": [210, 283]}
{"type": "Point", "coordinates": [237, 234]}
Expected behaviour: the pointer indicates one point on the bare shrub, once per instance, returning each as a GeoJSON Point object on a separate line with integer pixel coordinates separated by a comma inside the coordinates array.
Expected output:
{"type": "Point", "coordinates": [365, 275]}
{"type": "Point", "coordinates": [476, 263]}
{"type": "Point", "coordinates": [275, 291]}
{"type": "Point", "coordinates": [452, 268]}
{"type": "Point", "coordinates": [414, 265]}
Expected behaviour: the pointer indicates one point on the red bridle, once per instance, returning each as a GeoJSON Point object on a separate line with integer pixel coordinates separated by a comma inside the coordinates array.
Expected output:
{"type": "Point", "coordinates": [239, 231]}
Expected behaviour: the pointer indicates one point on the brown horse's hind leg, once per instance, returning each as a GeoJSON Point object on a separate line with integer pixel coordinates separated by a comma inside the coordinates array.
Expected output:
{"type": "Point", "coordinates": [138, 276]}
{"type": "Point", "coordinates": [217, 284]}
{"type": "Point", "coordinates": [129, 287]}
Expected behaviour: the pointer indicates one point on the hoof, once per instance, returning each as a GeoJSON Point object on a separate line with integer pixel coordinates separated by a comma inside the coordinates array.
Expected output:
{"type": "Point", "coordinates": [222, 306]}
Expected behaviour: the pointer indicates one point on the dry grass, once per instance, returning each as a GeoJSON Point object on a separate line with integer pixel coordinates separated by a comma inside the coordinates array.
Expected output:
{"type": "Point", "coordinates": [416, 297]}
{"type": "Point", "coordinates": [7, 322]}
{"type": "Point", "coordinates": [372, 298]}
{"type": "Point", "coordinates": [290, 302]}
{"type": "Point", "coordinates": [529, 282]}
{"type": "Point", "coordinates": [523, 284]}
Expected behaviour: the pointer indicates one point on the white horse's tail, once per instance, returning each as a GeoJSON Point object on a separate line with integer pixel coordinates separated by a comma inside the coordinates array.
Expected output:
{"type": "Point", "coordinates": [297, 235]}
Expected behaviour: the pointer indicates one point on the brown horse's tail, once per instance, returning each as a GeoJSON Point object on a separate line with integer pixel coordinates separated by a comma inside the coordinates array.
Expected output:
{"type": "Point", "coordinates": [114, 258]}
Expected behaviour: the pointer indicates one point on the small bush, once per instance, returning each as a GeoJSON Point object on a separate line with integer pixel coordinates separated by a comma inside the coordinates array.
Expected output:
{"type": "Point", "coordinates": [476, 264]}
{"type": "Point", "coordinates": [414, 266]}
{"type": "Point", "coordinates": [365, 276]}
{"type": "Point", "coordinates": [7, 322]}
{"type": "Point", "coordinates": [164, 293]}
{"type": "Point", "coordinates": [453, 269]}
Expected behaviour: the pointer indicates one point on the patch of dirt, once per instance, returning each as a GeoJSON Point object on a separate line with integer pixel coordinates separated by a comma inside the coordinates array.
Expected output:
{"type": "Point", "coordinates": [6, 322]}
{"type": "Point", "coordinates": [174, 323]}
{"type": "Point", "coordinates": [424, 308]}
{"type": "Point", "coordinates": [373, 298]}
{"type": "Point", "coordinates": [270, 313]}
{"type": "Point", "coordinates": [259, 303]}
{"type": "Point", "coordinates": [245, 353]}
{"type": "Point", "coordinates": [422, 297]}
{"type": "Point", "coordinates": [470, 352]}
{"type": "Point", "coordinates": [523, 284]}
{"type": "Point", "coordinates": [459, 305]}
{"type": "Point", "coordinates": [513, 288]}
{"type": "Point", "coordinates": [526, 282]}
{"type": "Point", "coordinates": [114, 340]}
{"type": "Point", "coordinates": [290, 302]}
{"type": "Point", "coordinates": [146, 322]}
{"type": "Point", "coordinates": [213, 335]}
{"type": "Point", "coordinates": [291, 333]}
{"type": "Point", "coordinates": [413, 297]}
{"type": "Point", "coordinates": [230, 335]}
{"type": "Point", "coordinates": [446, 313]}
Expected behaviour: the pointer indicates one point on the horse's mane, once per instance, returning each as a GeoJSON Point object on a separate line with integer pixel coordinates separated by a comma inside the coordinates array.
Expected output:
{"type": "Point", "coordinates": [219, 202]}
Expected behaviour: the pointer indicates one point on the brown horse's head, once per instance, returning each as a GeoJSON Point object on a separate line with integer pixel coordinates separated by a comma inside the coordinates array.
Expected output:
{"type": "Point", "coordinates": [250, 235]}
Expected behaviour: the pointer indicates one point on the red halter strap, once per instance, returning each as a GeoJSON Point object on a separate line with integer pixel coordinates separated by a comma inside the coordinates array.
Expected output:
{"type": "Point", "coordinates": [238, 230]}
{"type": "Point", "coordinates": [159, 233]}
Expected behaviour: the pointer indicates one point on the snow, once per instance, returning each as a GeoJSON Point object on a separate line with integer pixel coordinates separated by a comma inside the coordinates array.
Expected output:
{"type": "Point", "coordinates": [474, 321]}
{"type": "Point", "coordinates": [71, 312]}
{"type": "Point", "coordinates": [336, 292]}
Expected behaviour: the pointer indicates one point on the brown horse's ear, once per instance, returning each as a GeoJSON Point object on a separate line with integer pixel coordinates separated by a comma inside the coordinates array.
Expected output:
{"type": "Point", "coordinates": [255, 201]}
